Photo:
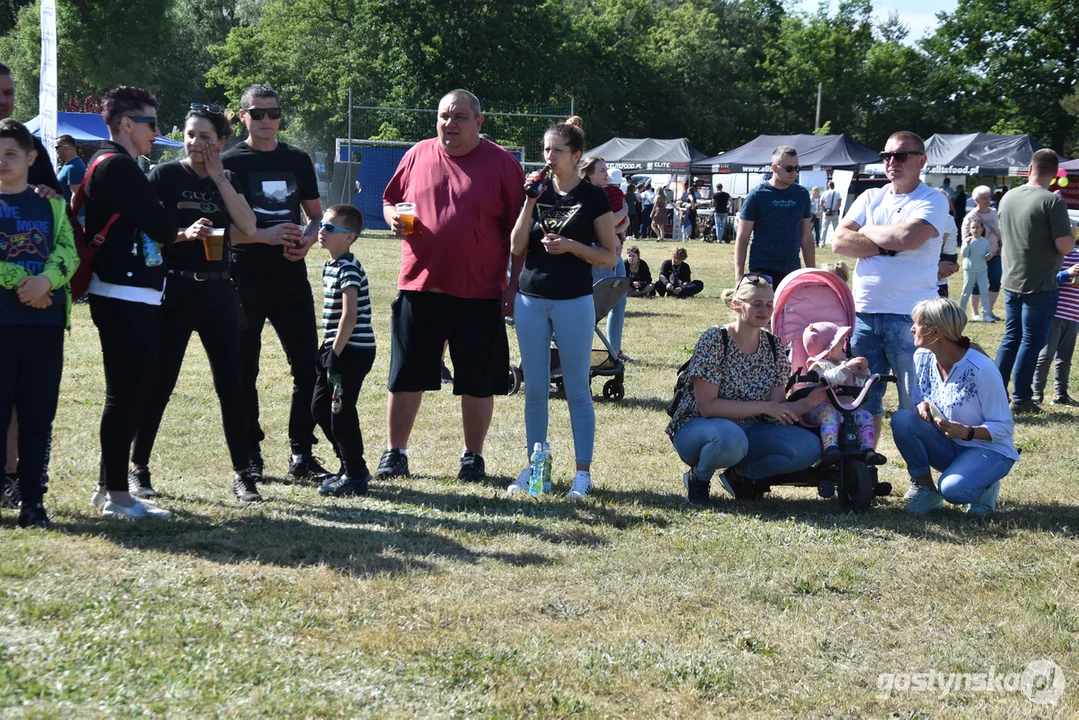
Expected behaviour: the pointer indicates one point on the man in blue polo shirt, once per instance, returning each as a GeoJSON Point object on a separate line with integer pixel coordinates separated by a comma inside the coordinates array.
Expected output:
{"type": "Point", "coordinates": [777, 215]}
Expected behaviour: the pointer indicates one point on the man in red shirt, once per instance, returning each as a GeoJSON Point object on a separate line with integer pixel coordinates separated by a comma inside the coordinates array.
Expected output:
{"type": "Point", "coordinates": [453, 285]}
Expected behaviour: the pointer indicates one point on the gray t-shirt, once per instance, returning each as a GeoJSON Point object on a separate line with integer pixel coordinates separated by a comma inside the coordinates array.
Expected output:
{"type": "Point", "coordinates": [1031, 219]}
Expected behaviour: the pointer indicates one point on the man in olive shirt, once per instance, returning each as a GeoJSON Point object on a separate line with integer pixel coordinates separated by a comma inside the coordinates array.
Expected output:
{"type": "Point", "coordinates": [1035, 236]}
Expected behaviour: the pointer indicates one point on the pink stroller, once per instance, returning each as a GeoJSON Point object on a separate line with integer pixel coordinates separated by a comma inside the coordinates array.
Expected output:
{"type": "Point", "coordinates": [803, 297]}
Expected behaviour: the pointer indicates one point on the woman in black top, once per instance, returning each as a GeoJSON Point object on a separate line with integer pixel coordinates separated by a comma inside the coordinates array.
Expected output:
{"type": "Point", "coordinates": [675, 278]}
{"type": "Point", "coordinates": [640, 277]}
{"type": "Point", "coordinates": [200, 296]}
{"type": "Point", "coordinates": [127, 284]}
{"type": "Point", "coordinates": [562, 233]}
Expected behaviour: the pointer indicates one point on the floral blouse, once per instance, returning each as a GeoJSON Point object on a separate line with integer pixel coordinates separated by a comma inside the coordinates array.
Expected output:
{"type": "Point", "coordinates": [746, 378]}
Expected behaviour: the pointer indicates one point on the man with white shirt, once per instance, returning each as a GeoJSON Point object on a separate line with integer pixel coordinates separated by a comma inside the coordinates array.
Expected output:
{"type": "Point", "coordinates": [895, 232]}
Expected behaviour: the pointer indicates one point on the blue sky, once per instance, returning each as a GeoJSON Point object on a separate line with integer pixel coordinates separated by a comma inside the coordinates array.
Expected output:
{"type": "Point", "coordinates": [918, 15]}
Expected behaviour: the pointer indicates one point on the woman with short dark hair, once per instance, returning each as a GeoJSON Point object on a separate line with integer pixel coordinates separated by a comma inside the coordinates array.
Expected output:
{"type": "Point", "coordinates": [127, 285]}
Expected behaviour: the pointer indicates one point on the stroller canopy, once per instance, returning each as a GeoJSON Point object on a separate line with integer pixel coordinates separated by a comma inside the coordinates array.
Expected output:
{"type": "Point", "coordinates": [807, 296]}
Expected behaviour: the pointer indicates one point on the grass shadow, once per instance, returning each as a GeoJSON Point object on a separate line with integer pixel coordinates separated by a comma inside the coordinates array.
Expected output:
{"type": "Point", "coordinates": [653, 404]}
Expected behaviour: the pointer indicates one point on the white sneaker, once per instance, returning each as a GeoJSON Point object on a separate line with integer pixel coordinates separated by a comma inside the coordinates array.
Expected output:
{"type": "Point", "coordinates": [520, 485]}
{"type": "Point", "coordinates": [100, 497]}
{"type": "Point", "coordinates": [582, 486]}
{"type": "Point", "coordinates": [977, 318]}
{"type": "Point", "coordinates": [137, 511]}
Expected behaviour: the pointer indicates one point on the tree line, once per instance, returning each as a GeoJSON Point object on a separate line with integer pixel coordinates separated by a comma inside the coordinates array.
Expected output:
{"type": "Point", "coordinates": [718, 72]}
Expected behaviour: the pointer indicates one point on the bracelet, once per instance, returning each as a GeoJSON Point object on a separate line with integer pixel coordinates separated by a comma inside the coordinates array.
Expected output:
{"type": "Point", "coordinates": [970, 435]}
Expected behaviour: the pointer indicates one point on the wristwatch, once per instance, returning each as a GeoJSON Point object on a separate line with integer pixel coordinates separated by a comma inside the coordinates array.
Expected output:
{"type": "Point", "coordinates": [970, 435]}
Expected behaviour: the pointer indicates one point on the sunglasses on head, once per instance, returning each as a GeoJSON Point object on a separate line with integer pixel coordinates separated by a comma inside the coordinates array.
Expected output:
{"type": "Point", "coordinates": [756, 279]}
{"type": "Point", "coordinates": [790, 168]}
{"type": "Point", "coordinates": [212, 109]}
{"type": "Point", "coordinates": [148, 119]}
{"type": "Point", "coordinates": [899, 157]}
{"type": "Point", "coordinates": [261, 113]}
{"type": "Point", "coordinates": [331, 228]}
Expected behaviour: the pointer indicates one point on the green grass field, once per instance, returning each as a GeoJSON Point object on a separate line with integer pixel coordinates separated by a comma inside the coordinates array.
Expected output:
{"type": "Point", "coordinates": [436, 598]}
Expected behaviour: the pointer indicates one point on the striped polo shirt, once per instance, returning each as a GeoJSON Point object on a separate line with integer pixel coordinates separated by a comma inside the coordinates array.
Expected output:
{"type": "Point", "coordinates": [1068, 300]}
{"type": "Point", "coordinates": [337, 275]}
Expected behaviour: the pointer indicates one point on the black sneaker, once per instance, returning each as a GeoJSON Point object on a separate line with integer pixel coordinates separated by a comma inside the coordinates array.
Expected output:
{"type": "Point", "coordinates": [306, 467]}
{"type": "Point", "coordinates": [34, 517]}
{"type": "Point", "coordinates": [243, 486]}
{"type": "Point", "coordinates": [10, 495]}
{"type": "Point", "coordinates": [696, 489]}
{"type": "Point", "coordinates": [138, 483]}
{"type": "Point", "coordinates": [1023, 407]}
{"type": "Point", "coordinates": [1063, 400]}
{"type": "Point", "coordinates": [872, 457]}
{"type": "Point", "coordinates": [472, 467]}
{"type": "Point", "coordinates": [447, 376]}
{"type": "Point", "coordinates": [394, 463]}
{"type": "Point", "coordinates": [344, 485]}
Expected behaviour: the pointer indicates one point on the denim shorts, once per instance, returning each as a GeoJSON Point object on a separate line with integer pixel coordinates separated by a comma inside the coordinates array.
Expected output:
{"type": "Point", "coordinates": [885, 340]}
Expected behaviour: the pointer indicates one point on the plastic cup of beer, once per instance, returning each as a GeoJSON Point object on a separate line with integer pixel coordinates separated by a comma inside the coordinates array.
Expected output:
{"type": "Point", "coordinates": [213, 245]}
{"type": "Point", "coordinates": [406, 213]}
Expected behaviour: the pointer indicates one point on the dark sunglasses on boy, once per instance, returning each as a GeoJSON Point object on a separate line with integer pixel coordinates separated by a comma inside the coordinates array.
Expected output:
{"type": "Point", "coordinates": [262, 113]}
{"type": "Point", "coordinates": [331, 228]}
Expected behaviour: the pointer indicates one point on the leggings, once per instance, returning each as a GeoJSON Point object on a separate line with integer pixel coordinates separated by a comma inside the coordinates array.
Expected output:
{"type": "Point", "coordinates": [571, 321]}
{"type": "Point", "coordinates": [212, 309]}
{"type": "Point", "coordinates": [128, 332]}
{"type": "Point", "coordinates": [829, 420]}
{"type": "Point", "coordinates": [616, 319]}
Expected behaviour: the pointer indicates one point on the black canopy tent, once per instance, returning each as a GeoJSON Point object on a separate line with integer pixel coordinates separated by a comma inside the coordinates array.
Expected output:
{"type": "Point", "coordinates": [979, 154]}
{"type": "Point", "coordinates": [826, 151]}
{"type": "Point", "coordinates": [667, 156]}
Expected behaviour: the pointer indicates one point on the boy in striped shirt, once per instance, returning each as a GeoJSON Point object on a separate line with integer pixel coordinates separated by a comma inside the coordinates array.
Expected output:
{"type": "Point", "coordinates": [347, 352]}
{"type": "Point", "coordinates": [1062, 334]}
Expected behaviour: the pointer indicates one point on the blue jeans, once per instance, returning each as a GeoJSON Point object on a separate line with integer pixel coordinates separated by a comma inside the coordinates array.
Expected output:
{"type": "Point", "coordinates": [763, 449]}
{"type": "Point", "coordinates": [885, 340]}
{"type": "Point", "coordinates": [616, 319]}
{"type": "Point", "coordinates": [1026, 329]}
{"type": "Point", "coordinates": [571, 321]}
{"type": "Point", "coordinates": [816, 231]}
{"type": "Point", "coordinates": [965, 472]}
{"type": "Point", "coordinates": [721, 226]}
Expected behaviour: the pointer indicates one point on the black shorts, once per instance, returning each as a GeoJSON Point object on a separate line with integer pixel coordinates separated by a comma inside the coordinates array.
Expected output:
{"type": "Point", "coordinates": [422, 322]}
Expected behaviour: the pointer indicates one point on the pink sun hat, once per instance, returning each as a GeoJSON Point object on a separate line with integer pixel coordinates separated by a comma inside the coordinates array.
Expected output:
{"type": "Point", "coordinates": [821, 338]}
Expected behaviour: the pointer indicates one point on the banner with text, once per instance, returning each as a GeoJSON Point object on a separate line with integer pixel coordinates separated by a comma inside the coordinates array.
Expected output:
{"type": "Point", "coordinates": [47, 88]}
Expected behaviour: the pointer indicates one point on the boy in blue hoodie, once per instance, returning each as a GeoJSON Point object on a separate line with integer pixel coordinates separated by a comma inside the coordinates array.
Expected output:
{"type": "Point", "coordinates": [37, 260]}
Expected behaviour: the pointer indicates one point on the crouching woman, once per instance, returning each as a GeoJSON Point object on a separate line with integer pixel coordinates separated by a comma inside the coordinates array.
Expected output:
{"type": "Point", "coordinates": [962, 426]}
{"type": "Point", "coordinates": [733, 414]}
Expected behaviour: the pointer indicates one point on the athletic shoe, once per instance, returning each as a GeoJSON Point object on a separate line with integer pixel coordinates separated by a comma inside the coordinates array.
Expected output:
{"type": "Point", "coordinates": [872, 457]}
{"type": "Point", "coordinates": [520, 485]}
{"type": "Point", "coordinates": [10, 495]}
{"type": "Point", "coordinates": [626, 358]}
{"type": "Point", "coordinates": [990, 318]}
{"type": "Point", "coordinates": [925, 500]}
{"type": "Point", "coordinates": [306, 467]}
{"type": "Point", "coordinates": [256, 464]}
{"type": "Point", "coordinates": [696, 489]}
{"type": "Point", "coordinates": [447, 376]}
{"type": "Point", "coordinates": [1022, 407]}
{"type": "Point", "coordinates": [728, 477]}
{"type": "Point", "coordinates": [472, 467]}
{"type": "Point", "coordinates": [986, 503]}
{"type": "Point", "coordinates": [137, 511]}
{"type": "Point", "coordinates": [34, 517]}
{"type": "Point", "coordinates": [1064, 400]}
{"type": "Point", "coordinates": [394, 463]}
{"type": "Point", "coordinates": [977, 318]}
{"type": "Point", "coordinates": [138, 483]}
{"type": "Point", "coordinates": [344, 485]}
{"type": "Point", "coordinates": [243, 487]}
{"type": "Point", "coordinates": [581, 487]}
{"type": "Point", "coordinates": [912, 490]}
{"type": "Point", "coordinates": [1038, 398]}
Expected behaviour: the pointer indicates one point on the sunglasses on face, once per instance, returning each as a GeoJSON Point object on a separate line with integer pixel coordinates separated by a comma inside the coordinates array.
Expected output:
{"type": "Point", "coordinates": [148, 119]}
{"type": "Point", "coordinates": [331, 228]}
{"type": "Point", "coordinates": [756, 279]}
{"type": "Point", "coordinates": [899, 157]}
{"type": "Point", "coordinates": [790, 168]}
{"type": "Point", "coordinates": [262, 113]}
{"type": "Point", "coordinates": [212, 109]}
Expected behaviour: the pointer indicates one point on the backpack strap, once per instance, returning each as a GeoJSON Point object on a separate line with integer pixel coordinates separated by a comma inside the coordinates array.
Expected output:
{"type": "Point", "coordinates": [80, 196]}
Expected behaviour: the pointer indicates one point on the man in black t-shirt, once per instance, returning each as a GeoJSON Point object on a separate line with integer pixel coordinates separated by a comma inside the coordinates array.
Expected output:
{"type": "Point", "coordinates": [721, 202]}
{"type": "Point", "coordinates": [269, 270]}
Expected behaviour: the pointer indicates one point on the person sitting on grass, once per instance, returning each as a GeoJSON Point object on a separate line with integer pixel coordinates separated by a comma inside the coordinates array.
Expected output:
{"type": "Point", "coordinates": [37, 261]}
{"type": "Point", "coordinates": [347, 352]}
{"type": "Point", "coordinates": [961, 424]}
{"type": "Point", "coordinates": [675, 278]}
{"type": "Point", "coordinates": [733, 413]}
{"type": "Point", "coordinates": [640, 277]}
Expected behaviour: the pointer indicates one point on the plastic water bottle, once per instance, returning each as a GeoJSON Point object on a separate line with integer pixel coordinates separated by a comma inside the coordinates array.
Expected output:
{"type": "Point", "coordinates": [151, 253]}
{"type": "Point", "coordinates": [535, 479]}
{"type": "Point", "coordinates": [548, 462]}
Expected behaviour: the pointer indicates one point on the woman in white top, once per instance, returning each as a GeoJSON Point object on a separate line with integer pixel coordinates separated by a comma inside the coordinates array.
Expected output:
{"type": "Point", "coordinates": [962, 425]}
